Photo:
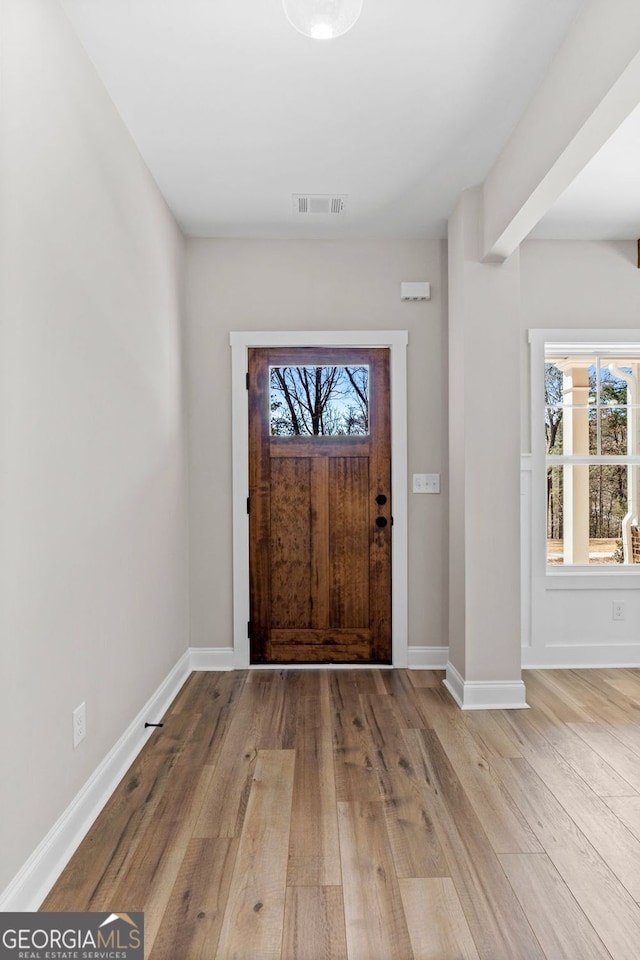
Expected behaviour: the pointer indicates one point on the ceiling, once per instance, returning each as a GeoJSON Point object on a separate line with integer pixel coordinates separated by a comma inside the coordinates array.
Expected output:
{"type": "Point", "coordinates": [234, 111]}
{"type": "Point", "coordinates": [603, 202]}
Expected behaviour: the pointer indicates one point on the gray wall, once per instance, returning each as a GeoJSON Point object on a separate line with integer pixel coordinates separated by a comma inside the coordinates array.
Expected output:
{"type": "Point", "coordinates": [309, 285]}
{"type": "Point", "coordinates": [93, 520]}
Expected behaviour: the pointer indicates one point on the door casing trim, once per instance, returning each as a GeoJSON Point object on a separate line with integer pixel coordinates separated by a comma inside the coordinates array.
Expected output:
{"type": "Point", "coordinates": [396, 341]}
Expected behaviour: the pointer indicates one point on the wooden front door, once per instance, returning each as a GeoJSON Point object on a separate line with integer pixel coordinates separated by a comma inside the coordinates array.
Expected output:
{"type": "Point", "coordinates": [319, 505]}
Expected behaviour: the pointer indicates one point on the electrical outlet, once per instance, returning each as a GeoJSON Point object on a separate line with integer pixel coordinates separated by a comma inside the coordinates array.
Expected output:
{"type": "Point", "coordinates": [79, 724]}
{"type": "Point", "coordinates": [617, 612]}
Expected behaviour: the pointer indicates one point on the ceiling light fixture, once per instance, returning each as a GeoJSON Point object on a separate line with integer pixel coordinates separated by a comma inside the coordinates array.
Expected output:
{"type": "Point", "coordinates": [322, 19]}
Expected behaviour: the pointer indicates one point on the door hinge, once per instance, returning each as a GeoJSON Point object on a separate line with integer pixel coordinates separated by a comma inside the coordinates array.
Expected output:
{"type": "Point", "coordinates": [248, 504]}
{"type": "Point", "coordinates": [249, 629]}
{"type": "Point", "coordinates": [247, 380]}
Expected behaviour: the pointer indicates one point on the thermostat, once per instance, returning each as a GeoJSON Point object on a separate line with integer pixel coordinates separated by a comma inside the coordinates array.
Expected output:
{"type": "Point", "coordinates": [414, 290]}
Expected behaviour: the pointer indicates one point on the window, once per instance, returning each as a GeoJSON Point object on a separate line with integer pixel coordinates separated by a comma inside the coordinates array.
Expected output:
{"type": "Point", "coordinates": [592, 452]}
{"type": "Point", "coordinates": [319, 401]}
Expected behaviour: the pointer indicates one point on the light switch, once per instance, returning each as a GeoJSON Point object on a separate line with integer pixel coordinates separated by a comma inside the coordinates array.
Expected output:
{"type": "Point", "coordinates": [426, 483]}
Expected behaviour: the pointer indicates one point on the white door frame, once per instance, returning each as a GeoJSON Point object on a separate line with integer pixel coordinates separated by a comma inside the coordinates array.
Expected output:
{"type": "Point", "coordinates": [396, 341]}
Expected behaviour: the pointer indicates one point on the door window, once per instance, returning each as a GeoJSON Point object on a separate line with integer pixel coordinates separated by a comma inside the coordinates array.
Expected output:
{"type": "Point", "coordinates": [319, 401]}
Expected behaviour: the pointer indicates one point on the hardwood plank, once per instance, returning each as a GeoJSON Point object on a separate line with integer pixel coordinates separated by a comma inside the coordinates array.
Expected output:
{"type": "Point", "coordinates": [504, 825]}
{"type": "Point", "coordinates": [600, 702]}
{"type": "Point", "coordinates": [608, 906]}
{"type": "Point", "coordinates": [617, 847]}
{"type": "Point", "coordinates": [543, 690]}
{"type": "Point", "coordinates": [151, 875]}
{"type": "Point", "coordinates": [314, 924]}
{"type": "Point", "coordinates": [604, 743]}
{"type": "Point", "coordinates": [192, 689]}
{"type": "Point", "coordinates": [108, 850]}
{"type": "Point", "coordinates": [371, 681]}
{"type": "Point", "coordinates": [426, 678]}
{"type": "Point", "coordinates": [437, 925]}
{"type": "Point", "coordinates": [149, 879]}
{"type": "Point", "coordinates": [434, 700]}
{"type": "Point", "coordinates": [225, 802]}
{"type": "Point", "coordinates": [587, 762]}
{"type": "Point", "coordinates": [309, 683]}
{"type": "Point", "coordinates": [192, 922]}
{"type": "Point", "coordinates": [353, 748]}
{"type": "Point", "coordinates": [398, 686]}
{"type": "Point", "coordinates": [624, 680]}
{"type": "Point", "coordinates": [561, 927]}
{"type": "Point", "coordinates": [214, 707]}
{"type": "Point", "coordinates": [254, 917]}
{"type": "Point", "coordinates": [375, 923]}
{"type": "Point", "coordinates": [390, 755]}
{"type": "Point", "coordinates": [489, 735]}
{"type": "Point", "coordinates": [412, 836]}
{"type": "Point", "coordinates": [498, 925]}
{"type": "Point", "coordinates": [314, 850]}
{"type": "Point", "coordinates": [181, 802]}
{"type": "Point", "coordinates": [627, 809]}
{"type": "Point", "coordinates": [276, 716]}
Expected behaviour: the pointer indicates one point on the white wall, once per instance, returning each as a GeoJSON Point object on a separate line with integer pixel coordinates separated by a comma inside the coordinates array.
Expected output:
{"type": "Point", "coordinates": [484, 581]}
{"type": "Point", "coordinates": [576, 285]}
{"type": "Point", "coordinates": [93, 523]}
{"type": "Point", "coordinates": [323, 285]}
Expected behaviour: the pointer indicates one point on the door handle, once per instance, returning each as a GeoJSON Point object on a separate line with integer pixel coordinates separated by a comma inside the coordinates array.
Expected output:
{"type": "Point", "coordinates": [381, 521]}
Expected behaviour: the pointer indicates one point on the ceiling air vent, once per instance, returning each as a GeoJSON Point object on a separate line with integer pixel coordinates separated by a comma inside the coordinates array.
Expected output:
{"type": "Point", "coordinates": [318, 203]}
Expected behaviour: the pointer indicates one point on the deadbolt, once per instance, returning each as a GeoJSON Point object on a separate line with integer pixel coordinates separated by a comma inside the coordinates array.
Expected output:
{"type": "Point", "coordinates": [381, 499]}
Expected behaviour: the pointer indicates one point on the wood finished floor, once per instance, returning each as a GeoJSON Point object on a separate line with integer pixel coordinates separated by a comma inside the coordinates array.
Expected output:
{"type": "Point", "coordinates": [359, 815]}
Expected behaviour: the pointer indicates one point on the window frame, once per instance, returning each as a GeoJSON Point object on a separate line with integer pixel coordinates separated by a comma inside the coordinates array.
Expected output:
{"type": "Point", "coordinates": [577, 342]}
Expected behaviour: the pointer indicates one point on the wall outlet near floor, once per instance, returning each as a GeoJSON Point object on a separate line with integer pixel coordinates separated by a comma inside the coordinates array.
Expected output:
{"type": "Point", "coordinates": [79, 724]}
{"type": "Point", "coordinates": [617, 610]}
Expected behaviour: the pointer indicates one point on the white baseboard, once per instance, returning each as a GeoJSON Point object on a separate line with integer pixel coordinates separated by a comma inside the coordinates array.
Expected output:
{"type": "Point", "coordinates": [211, 658]}
{"type": "Point", "coordinates": [428, 658]}
{"type": "Point", "coordinates": [485, 694]}
{"type": "Point", "coordinates": [581, 657]}
{"type": "Point", "coordinates": [35, 879]}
